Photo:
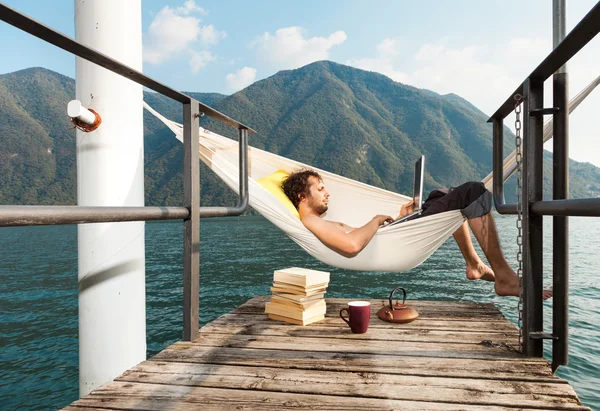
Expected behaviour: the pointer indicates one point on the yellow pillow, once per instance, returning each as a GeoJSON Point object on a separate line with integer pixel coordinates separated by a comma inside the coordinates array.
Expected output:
{"type": "Point", "coordinates": [272, 183]}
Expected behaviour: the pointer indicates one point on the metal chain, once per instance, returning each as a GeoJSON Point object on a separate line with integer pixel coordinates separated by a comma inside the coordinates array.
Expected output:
{"type": "Point", "coordinates": [518, 158]}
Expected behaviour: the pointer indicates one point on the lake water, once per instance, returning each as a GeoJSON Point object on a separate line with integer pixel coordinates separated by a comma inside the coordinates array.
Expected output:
{"type": "Point", "coordinates": [38, 295]}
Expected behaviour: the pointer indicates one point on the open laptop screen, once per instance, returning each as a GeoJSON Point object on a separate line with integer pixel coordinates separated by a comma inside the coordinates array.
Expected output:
{"type": "Point", "coordinates": [417, 192]}
{"type": "Point", "coordinates": [418, 182]}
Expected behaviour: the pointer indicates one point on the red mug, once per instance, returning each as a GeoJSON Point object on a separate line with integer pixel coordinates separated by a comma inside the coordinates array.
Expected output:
{"type": "Point", "coordinates": [359, 314]}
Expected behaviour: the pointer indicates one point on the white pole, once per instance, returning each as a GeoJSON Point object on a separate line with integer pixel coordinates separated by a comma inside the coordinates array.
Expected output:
{"type": "Point", "coordinates": [110, 172]}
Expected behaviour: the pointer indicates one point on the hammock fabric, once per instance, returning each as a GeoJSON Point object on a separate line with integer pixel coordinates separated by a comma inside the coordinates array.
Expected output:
{"type": "Point", "coordinates": [395, 249]}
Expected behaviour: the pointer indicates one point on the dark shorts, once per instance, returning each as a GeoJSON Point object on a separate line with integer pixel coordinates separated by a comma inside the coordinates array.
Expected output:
{"type": "Point", "coordinates": [471, 198]}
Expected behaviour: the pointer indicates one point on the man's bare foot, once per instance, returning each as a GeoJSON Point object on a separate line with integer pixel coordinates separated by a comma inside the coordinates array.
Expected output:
{"type": "Point", "coordinates": [509, 286]}
{"type": "Point", "coordinates": [480, 271]}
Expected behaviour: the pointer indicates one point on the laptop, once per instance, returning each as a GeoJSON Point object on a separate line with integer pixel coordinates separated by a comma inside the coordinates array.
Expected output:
{"type": "Point", "coordinates": [417, 192]}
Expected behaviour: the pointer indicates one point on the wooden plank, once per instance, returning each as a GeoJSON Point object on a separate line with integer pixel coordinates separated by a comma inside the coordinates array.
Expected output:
{"type": "Point", "coordinates": [425, 306]}
{"type": "Point", "coordinates": [367, 345]}
{"type": "Point", "coordinates": [244, 360]}
{"type": "Point", "coordinates": [457, 325]}
{"type": "Point", "coordinates": [434, 305]}
{"type": "Point", "coordinates": [368, 385]}
{"type": "Point", "coordinates": [333, 312]}
{"type": "Point", "coordinates": [442, 311]}
{"type": "Point", "coordinates": [136, 396]}
{"type": "Point", "coordinates": [527, 369]}
{"type": "Point", "coordinates": [555, 387]}
{"type": "Point", "coordinates": [395, 334]}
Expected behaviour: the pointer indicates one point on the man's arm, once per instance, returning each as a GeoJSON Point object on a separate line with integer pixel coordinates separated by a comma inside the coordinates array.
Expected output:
{"type": "Point", "coordinates": [345, 227]}
{"type": "Point", "coordinates": [334, 235]}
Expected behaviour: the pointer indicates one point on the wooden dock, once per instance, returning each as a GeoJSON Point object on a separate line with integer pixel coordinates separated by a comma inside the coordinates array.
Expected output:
{"type": "Point", "coordinates": [457, 355]}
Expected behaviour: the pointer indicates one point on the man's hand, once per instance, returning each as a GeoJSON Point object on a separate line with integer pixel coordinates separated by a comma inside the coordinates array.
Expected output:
{"type": "Point", "coordinates": [406, 209]}
{"type": "Point", "coordinates": [381, 219]}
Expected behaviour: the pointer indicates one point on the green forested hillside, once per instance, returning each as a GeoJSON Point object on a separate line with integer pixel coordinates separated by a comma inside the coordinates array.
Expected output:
{"type": "Point", "coordinates": [349, 121]}
{"type": "Point", "coordinates": [37, 154]}
{"type": "Point", "coordinates": [359, 124]}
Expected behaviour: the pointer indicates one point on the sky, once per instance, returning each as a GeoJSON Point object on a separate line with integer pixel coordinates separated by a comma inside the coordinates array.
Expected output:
{"type": "Point", "coordinates": [480, 50]}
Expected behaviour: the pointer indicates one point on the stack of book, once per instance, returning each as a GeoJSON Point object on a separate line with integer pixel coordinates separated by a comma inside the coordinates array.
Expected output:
{"type": "Point", "coordinates": [298, 296]}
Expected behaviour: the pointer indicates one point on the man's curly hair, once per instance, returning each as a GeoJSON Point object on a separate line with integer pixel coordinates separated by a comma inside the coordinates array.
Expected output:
{"type": "Point", "coordinates": [296, 185]}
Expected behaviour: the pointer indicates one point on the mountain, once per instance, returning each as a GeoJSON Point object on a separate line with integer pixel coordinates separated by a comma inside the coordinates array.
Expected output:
{"type": "Point", "coordinates": [359, 124]}
{"type": "Point", "coordinates": [365, 126]}
{"type": "Point", "coordinates": [352, 122]}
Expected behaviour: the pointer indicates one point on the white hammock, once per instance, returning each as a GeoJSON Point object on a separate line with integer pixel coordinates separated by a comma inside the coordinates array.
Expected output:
{"type": "Point", "coordinates": [397, 248]}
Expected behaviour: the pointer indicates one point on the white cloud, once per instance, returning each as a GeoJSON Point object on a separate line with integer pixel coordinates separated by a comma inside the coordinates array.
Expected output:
{"type": "Point", "coordinates": [210, 36]}
{"type": "Point", "coordinates": [190, 7]}
{"type": "Point", "coordinates": [486, 74]}
{"type": "Point", "coordinates": [169, 34]}
{"type": "Point", "coordinates": [520, 48]}
{"type": "Point", "coordinates": [174, 32]}
{"type": "Point", "coordinates": [200, 59]}
{"type": "Point", "coordinates": [486, 77]}
{"type": "Point", "coordinates": [384, 63]}
{"type": "Point", "coordinates": [288, 48]}
{"type": "Point", "coordinates": [584, 135]}
{"type": "Point", "coordinates": [479, 74]}
{"type": "Point", "coordinates": [241, 78]}
{"type": "Point", "coordinates": [387, 48]}
{"type": "Point", "coordinates": [469, 71]}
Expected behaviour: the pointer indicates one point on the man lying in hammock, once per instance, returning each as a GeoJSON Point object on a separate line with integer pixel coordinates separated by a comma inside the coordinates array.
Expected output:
{"type": "Point", "coordinates": [307, 192]}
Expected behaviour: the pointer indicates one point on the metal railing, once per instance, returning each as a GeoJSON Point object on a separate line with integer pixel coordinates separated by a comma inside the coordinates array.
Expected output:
{"type": "Point", "coordinates": [533, 205]}
{"type": "Point", "coordinates": [190, 212]}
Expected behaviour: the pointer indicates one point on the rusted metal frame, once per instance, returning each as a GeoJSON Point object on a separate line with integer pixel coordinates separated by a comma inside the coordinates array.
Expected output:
{"type": "Point", "coordinates": [243, 184]}
{"type": "Point", "coordinates": [25, 215]}
{"type": "Point", "coordinates": [498, 168]}
{"type": "Point", "coordinates": [560, 224]}
{"type": "Point", "coordinates": [191, 236]}
{"type": "Point", "coordinates": [580, 207]}
{"type": "Point", "coordinates": [533, 93]}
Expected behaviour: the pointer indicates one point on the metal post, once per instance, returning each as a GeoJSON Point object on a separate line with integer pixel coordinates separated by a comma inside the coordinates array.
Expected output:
{"type": "Point", "coordinates": [243, 171]}
{"type": "Point", "coordinates": [532, 223]}
{"type": "Point", "coordinates": [498, 160]}
{"type": "Point", "coordinates": [244, 195]}
{"type": "Point", "coordinates": [498, 169]}
{"type": "Point", "coordinates": [191, 240]}
{"type": "Point", "coordinates": [560, 191]}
